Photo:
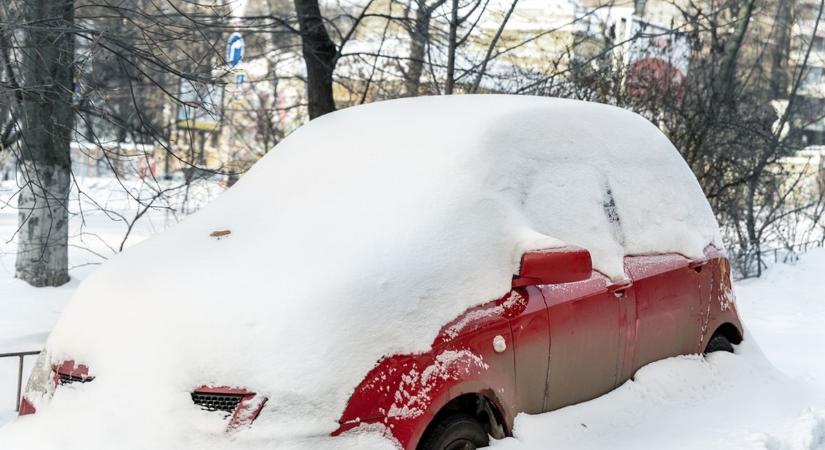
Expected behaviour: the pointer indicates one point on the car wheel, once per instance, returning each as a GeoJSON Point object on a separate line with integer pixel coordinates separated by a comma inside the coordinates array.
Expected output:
{"type": "Point", "coordinates": [719, 343]}
{"type": "Point", "coordinates": [456, 432]}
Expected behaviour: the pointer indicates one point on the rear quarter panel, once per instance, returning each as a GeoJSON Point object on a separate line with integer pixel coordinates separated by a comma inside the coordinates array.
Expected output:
{"type": "Point", "coordinates": [721, 306]}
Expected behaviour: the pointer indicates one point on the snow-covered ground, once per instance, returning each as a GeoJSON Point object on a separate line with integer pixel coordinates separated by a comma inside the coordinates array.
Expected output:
{"type": "Point", "coordinates": [770, 395]}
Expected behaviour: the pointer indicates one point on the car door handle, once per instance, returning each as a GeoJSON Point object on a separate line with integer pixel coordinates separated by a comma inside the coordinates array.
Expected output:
{"type": "Point", "coordinates": [618, 289]}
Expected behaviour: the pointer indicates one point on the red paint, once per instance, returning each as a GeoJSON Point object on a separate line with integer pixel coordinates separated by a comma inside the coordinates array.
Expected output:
{"type": "Point", "coordinates": [566, 342]}
{"type": "Point", "coordinates": [67, 368]}
{"type": "Point", "coordinates": [585, 331]}
{"type": "Point", "coordinates": [404, 392]}
{"type": "Point", "coordinates": [553, 266]}
{"type": "Point", "coordinates": [72, 369]}
{"type": "Point", "coordinates": [26, 407]}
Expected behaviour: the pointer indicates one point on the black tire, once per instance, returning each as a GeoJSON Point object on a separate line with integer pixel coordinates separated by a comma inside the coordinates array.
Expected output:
{"type": "Point", "coordinates": [455, 432]}
{"type": "Point", "coordinates": [719, 343]}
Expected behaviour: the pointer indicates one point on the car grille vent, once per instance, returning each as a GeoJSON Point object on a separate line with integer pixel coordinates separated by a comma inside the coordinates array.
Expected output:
{"type": "Point", "coordinates": [64, 379]}
{"type": "Point", "coordinates": [217, 402]}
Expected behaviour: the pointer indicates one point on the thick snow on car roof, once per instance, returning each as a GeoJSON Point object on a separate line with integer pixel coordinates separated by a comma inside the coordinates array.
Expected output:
{"type": "Point", "coordinates": [359, 236]}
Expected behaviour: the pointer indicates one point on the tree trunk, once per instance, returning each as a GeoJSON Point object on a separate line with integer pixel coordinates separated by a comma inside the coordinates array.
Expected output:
{"type": "Point", "coordinates": [42, 248]}
{"type": "Point", "coordinates": [320, 56]}
{"type": "Point", "coordinates": [730, 56]}
{"type": "Point", "coordinates": [639, 7]}
{"type": "Point", "coordinates": [448, 88]}
{"type": "Point", "coordinates": [782, 48]}
{"type": "Point", "coordinates": [419, 38]}
{"type": "Point", "coordinates": [47, 120]}
{"type": "Point", "coordinates": [418, 41]}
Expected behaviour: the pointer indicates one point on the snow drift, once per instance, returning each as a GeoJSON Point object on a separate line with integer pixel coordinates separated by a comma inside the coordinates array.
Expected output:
{"type": "Point", "coordinates": [359, 236]}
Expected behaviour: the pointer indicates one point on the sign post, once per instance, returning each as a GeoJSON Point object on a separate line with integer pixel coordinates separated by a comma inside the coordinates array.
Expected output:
{"type": "Point", "coordinates": [201, 105]}
{"type": "Point", "coordinates": [240, 79]}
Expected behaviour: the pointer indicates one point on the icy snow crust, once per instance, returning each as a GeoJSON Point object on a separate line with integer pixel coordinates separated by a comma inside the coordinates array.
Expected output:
{"type": "Point", "coordinates": [359, 236]}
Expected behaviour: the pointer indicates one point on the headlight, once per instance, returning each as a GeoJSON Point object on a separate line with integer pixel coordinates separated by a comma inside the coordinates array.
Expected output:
{"type": "Point", "coordinates": [40, 386]}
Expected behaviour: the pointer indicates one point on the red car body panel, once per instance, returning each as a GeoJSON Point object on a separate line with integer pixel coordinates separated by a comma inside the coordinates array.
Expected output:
{"type": "Point", "coordinates": [26, 407]}
{"type": "Point", "coordinates": [565, 343]}
{"type": "Point", "coordinates": [585, 340]}
{"type": "Point", "coordinates": [69, 369]}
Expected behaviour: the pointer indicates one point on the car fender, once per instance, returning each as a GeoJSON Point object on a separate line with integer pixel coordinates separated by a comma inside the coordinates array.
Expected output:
{"type": "Point", "coordinates": [403, 393]}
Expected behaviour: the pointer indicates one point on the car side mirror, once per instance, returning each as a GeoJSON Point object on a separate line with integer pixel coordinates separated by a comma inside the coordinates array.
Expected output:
{"type": "Point", "coordinates": [554, 266]}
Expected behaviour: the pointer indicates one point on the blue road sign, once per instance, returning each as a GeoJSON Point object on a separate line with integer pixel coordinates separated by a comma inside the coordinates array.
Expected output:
{"type": "Point", "coordinates": [234, 50]}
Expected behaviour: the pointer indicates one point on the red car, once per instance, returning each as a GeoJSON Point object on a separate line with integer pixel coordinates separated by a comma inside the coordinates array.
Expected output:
{"type": "Point", "coordinates": [425, 269]}
{"type": "Point", "coordinates": [564, 334]}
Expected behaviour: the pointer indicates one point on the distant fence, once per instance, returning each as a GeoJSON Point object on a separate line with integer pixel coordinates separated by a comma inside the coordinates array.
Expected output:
{"type": "Point", "coordinates": [19, 356]}
{"type": "Point", "coordinates": [789, 253]}
{"type": "Point", "coordinates": [754, 262]}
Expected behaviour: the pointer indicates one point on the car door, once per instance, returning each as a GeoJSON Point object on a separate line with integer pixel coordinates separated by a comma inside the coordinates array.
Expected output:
{"type": "Point", "coordinates": [669, 306]}
{"type": "Point", "coordinates": [588, 338]}
{"type": "Point", "coordinates": [529, 323]}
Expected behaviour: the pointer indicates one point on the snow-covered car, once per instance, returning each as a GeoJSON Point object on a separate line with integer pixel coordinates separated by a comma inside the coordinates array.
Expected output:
{"type": "Point", "coordinates": [421, 270]}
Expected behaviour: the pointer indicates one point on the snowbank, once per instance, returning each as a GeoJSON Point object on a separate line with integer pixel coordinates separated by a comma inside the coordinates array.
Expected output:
{"type": "Point", "coordinates": [725, 402]}
{"type": "Point", "coordinates": [787, 309]}
{"type": "Point", "coordinates": [359, 236]}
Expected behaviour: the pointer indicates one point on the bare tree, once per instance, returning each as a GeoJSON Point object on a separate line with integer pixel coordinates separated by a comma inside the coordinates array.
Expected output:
{"type": "Point", "coordinates": [12, 97]}
{"type": "Point", "coordinates": [418, 31]}
{"type": "Point", "coordinates": [104, 76]}
{"type": "Point", "coordinates": [132, 61]}
{"type": "Point", "coordinates": [47, 120]}
{"type": "Point", "coordinates": [452, 43]}
{"type": "Point", "coordinates": [320, 56]}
